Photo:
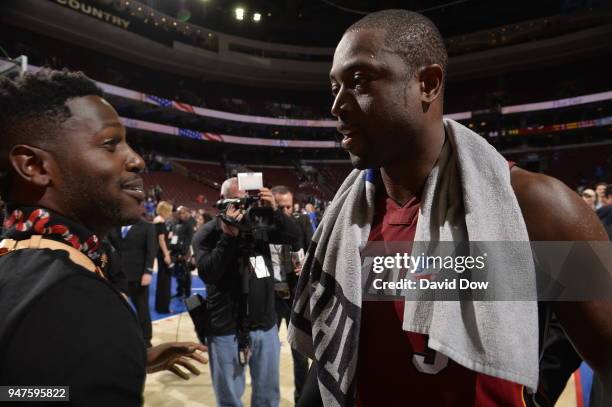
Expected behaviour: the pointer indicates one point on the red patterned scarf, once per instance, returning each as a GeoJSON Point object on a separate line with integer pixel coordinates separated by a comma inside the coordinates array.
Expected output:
{"type": "Point", "coordinates": [25, 222]}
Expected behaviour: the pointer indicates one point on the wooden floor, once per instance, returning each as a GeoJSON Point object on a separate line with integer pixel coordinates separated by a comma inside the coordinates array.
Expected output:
{"type": "Point", "coordinates": [166, 390]}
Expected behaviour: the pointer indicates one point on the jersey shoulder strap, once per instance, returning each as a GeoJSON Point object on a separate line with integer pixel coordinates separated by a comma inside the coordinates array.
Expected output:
{"type": "Point", "coordinates": [39, 242]}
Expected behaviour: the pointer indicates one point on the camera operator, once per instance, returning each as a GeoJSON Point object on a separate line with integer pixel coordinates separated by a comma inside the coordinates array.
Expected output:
{"type": "Point", "coordinates": [242, 327]}
{"type": "Point", "coordinates": [180, 246]}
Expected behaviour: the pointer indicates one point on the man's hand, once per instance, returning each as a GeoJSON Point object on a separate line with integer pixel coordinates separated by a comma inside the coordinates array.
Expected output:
{"type": "Point", "coordinates": [234, 213]}
{"type": "Point", "coordinates": [145, 280]}
{"type": "Point", "coordinates": [267, 199]}
{"type": "Point", "coordinates": [297, 268]}
{"type": "Point", "coordinates": [169, 355]}
{"type": "Point", "coordinates": [167, 259]}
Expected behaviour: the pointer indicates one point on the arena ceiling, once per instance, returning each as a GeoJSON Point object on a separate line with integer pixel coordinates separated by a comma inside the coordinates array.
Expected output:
{"type": "Point", "coordinates": [322, 22]}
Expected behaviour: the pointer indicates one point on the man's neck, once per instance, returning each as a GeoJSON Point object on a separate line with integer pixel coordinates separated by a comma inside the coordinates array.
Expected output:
{"type": "Point", "coordinates": [404, 179]}
{"type": "Point", "coordinates": [100, 231]}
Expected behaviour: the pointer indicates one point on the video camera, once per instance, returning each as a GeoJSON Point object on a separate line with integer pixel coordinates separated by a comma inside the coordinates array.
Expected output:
{"type": "Point", "coordinates": [257, 220]}
{"type": "Point", "coordinates": [243, 203]}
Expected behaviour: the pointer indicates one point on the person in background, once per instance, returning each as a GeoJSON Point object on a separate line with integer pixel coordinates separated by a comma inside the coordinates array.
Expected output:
{"type": "Point", "coordinates": [588, 195]}
{"type": "Point", "coordinates": [243, 322]}
{"type": "Point", "coordinates": [149, 206]}
{"type": "Point", "coordinates": [199, 221]}
{"type": "Point", "coordinates": [180, 250]}
{"type": "Point", "coordinates": [600, 192]}
{"type": "Point", "coordinates": [605, 212]}
{"type": "Point", "coordinates": [287, 268]}
{"type": "Point", "coordinates": [164, 260]}
{"type": "Point", "coordinates": [157, 192]}
{"type": "Point", "coordinates": [136, 246]}
{"type": "Point", "coordinates": [205, 215]}
{"type": "Point", "coordinates": [312, 214]}
{"type": "Point", "coordinates": [111, 267]}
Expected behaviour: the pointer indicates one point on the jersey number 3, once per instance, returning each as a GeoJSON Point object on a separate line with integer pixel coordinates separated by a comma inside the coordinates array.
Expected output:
{"type": "Point", "coordinates": [430, 361]}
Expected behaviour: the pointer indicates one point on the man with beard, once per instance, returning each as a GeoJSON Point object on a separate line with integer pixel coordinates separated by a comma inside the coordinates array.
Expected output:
{"type": "Point", "coordinates": [69, 177]}
{"type": "Point", "coordinates": [428, 179]}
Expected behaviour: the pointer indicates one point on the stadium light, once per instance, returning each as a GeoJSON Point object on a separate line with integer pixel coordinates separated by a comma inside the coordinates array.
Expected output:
{"type": "Point", "coordinates": [239, 12]}
{"type": "Point", "coordinates": [257, 17]}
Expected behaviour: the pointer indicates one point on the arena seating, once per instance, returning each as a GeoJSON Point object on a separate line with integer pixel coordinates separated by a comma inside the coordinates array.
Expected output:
{"type": "Point", "coordinates": [181, 190]}
{"type": "Point", "coordinates": [583, 169]}
{"type": "Point", "coordinates": [333, 174]}
{"type": "Point", "coordinates": [214, 172]}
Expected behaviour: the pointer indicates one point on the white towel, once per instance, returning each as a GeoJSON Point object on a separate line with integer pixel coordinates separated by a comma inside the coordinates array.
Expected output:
{"type": "Point", "coordinates": [467, 197]}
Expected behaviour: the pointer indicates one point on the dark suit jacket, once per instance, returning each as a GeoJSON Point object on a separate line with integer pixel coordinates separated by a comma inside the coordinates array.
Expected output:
{"type": "Point", "coordinates": [306, 231]}
{"type": "Point", "coordinates": [112, 270]}
{"type": "Point", "coordinates": [137, 251]}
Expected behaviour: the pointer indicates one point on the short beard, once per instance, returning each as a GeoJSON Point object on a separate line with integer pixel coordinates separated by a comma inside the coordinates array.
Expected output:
{"type": "Point", "coordinates": [88, 200]}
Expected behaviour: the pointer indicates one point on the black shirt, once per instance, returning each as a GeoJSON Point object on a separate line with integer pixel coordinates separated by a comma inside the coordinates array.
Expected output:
{"type": "Point", "coordinates": [79, 334]}
{"type": "Point", "coordinates": [605, 216]}
{"type": "Point", "coordinates": [63, 325]}
{"type": "Point", "coordinates": [217, 257]}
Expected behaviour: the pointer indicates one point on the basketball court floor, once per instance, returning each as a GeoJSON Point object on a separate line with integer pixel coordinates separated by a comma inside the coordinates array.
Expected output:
{"type": "Point", "coordinates": [164, 389]}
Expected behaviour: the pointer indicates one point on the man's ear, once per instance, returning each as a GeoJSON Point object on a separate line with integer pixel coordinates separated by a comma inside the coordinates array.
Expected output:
{"type": "Point", "coordinates": [31, 164]}
{"type": "Point", "coordinates": [430, 79]}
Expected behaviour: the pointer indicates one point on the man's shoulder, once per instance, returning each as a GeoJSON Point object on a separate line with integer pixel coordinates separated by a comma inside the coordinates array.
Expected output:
{"type": "Point", "coordinates": [206, 230]}
{"type": "Point", "coordinates": [552, 211]}
{"type": "Point", "coordinates": [210, 225]}
{"type": "Point", "coordinates": [604, 212]}
{"type": "Point", "coordinates": [537, 190]}
{"type": "Point", "coordinates": [41, 269]}
{"type": "Point", "coordinates": [38, 261]}
{"type": "Point", "coordinates": [43, 273]}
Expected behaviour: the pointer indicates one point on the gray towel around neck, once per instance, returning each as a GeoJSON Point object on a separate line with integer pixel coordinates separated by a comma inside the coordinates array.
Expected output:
{"type": "Point", "coordinates": [467, 197]}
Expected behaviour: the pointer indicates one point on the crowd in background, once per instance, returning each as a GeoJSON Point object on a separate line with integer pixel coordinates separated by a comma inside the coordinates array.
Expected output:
{"type": "Point", "coordinates": [599, 198]}
{"type": "Point", "coordinates": [189, 239]}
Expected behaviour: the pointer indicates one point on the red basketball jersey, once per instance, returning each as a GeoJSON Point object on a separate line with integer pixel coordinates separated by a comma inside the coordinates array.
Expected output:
{"type": "Point", "coordinates": [396, 368]}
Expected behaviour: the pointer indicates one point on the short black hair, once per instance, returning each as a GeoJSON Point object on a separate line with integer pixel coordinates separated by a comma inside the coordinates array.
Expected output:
{"type": "Point", "coordinates": [33, 107]}
{"type": "Point", "coordinates": [38, 100]}
{"type": "Point", "coordinates": [608, 190]}
{"type": "Point", "coordinates": [280, 190]}
{"type": "Point", "coordinates": [411, 35]}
